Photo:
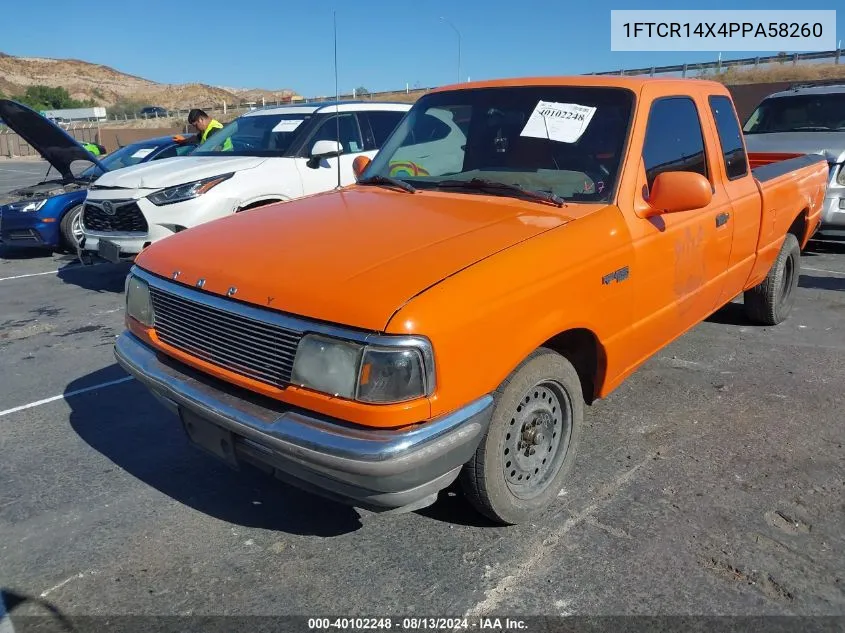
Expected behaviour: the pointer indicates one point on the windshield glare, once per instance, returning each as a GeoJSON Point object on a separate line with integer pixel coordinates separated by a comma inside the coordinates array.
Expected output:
{"type": "Point", "coordinates": [566, 140]}
{"type": "Point", "coordinates": [799, 113]}
{"type": "Point", "coordinates": [255, 135]}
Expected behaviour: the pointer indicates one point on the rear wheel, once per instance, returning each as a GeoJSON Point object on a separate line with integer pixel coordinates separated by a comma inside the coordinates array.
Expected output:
{"type": "Point", "coordinates": [771, 301]}
{"type": "Point", "coordinates": [521, 464]}
{"type": "Point", "coordinates": [71, 228]}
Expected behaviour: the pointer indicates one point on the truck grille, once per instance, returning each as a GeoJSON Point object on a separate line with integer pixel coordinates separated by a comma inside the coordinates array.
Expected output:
{"type": "Point", "coordinates": [126, 217]}
{"type": "Point", "coordinates": [256, 349]}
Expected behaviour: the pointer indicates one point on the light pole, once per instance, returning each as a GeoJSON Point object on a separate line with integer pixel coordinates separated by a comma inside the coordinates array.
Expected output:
{"type": "Point", "coordinates": [442, 19]}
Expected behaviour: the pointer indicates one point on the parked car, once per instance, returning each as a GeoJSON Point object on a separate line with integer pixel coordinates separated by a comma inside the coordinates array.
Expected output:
{"type": "Point", "coordinates": [277, 154]}
{"type": "Point", "coordinates": [153, 112]}
{"type": "Point", "coordinates": [409, 331]}
{"type": "Point", "coordinates": [47, 214]}
{"type": "Point", "coordinates": [806, 120]}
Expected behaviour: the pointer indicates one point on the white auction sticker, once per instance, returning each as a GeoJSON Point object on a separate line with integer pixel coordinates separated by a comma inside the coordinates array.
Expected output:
{"type": "Point", "coordinates": [143, 153]}
{"type": "Point", "coordinates": [563, 122]}
{"type": "Point", "coordinates": [287, 125]}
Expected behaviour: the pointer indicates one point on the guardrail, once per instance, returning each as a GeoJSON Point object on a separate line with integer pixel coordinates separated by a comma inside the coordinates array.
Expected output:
{"type": "Point", "coordinates": [719, 65]}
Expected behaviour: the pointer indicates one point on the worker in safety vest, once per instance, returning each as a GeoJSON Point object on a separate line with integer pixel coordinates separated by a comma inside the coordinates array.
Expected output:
{"type": "Point", "coordinates": [205, 126]}
{"type": "Point", "coordinates": [94, 148]}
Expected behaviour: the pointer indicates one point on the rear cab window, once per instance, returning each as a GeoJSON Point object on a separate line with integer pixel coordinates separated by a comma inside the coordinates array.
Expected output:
{"type": "Point", "coordinates": [730, 137]}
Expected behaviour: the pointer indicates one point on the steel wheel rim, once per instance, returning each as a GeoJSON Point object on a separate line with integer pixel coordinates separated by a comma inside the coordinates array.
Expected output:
{"type": "Point", "coordinates": [537, 439]}
{"type": "Point", "coordinates": [76, 227]}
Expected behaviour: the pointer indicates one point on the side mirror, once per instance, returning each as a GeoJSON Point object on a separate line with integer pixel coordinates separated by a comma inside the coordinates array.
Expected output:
{"type": "Point", "coordinates": [359, 166]}
{"type": "Point", "coordinates": [676, 191]}
{"type": "Point", "coordinates": [324, 149]}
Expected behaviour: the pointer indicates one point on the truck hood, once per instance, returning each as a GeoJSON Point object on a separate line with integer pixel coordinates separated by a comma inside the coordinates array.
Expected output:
{"type": "Point", "coordinates": [55, 145]}
{"type": "Point", "coordinates": [831, 145]}
{"type": "Point", "coordinates": [352, 257]}
{"type": "Point", "coordinates": [158, 174]}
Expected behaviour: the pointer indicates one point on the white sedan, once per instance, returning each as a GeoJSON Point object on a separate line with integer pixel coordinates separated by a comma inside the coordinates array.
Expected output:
{"type": "Point", "coordinates": [273, 155]}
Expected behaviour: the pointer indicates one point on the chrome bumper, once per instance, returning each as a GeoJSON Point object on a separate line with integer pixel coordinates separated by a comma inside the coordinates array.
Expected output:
{"type": "Point", "coordinates": [376, 469]}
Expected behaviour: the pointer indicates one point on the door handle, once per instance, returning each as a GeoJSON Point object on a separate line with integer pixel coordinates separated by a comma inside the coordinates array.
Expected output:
{"type": "Point", "coordinates": [722, 219]}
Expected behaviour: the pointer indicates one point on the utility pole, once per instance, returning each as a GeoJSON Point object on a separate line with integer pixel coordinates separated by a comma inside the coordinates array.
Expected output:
{"type": "Point", "coordinates": [442, 19]}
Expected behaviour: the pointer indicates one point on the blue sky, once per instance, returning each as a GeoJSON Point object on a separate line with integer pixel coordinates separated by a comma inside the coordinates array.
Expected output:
{"type": "Point", "coordinates": [381, 45]}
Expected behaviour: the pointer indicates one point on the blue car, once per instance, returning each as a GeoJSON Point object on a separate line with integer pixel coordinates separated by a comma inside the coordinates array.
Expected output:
{"type": "Point", "coordinates": [47, 214]}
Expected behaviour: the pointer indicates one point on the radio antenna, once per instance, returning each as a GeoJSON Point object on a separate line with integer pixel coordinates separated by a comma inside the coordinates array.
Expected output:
{"type": "Point", "coordinates": [336, 98]}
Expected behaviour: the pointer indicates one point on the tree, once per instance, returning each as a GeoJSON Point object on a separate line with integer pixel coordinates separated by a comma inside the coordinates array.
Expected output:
{"type": "Point", "coordinates": [48, 98]}
{"type": "Point", "coordinates": [360, 90]}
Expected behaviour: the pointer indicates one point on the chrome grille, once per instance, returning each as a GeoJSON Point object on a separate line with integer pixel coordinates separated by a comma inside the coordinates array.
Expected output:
{"type": "Point", "coordinates": [256, 349]}
{"type": "Point", "coordinates": [126, 216]}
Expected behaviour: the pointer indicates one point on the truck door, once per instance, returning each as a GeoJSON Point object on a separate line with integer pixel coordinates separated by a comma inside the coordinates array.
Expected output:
{"type": "Point", "coordinates": [742, 191]}
{"type": "Point", "coordinates": [681, 258]}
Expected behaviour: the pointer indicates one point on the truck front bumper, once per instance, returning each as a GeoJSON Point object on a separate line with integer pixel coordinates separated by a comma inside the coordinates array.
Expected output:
{"type": "Point", "coordinates": [376, 469]}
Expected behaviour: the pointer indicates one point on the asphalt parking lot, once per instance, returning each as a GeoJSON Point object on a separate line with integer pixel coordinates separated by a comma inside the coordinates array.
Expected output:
{"type": "Point", "coordinates": [711, 482]}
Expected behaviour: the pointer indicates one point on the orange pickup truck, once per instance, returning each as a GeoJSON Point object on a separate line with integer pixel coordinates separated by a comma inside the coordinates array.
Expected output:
{"type": "Point", "coordinates": [515, 250]}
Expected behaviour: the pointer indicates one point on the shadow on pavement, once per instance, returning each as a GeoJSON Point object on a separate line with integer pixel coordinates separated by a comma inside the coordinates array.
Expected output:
{"type": "Point", "coordinates": [731, 314]}
{"type": "Point", "coordinates": [39, 611]}
{"type": "Point", "coordinates": [824, 246]}
{"type": "Point", "coordinates": [99, 277]}
{"type": "Point", "coordinates": [821, 283]}
{"type": "Point", "coordinates": [127, 425]}
{"type": "Point", "coordinates": [16, 252]}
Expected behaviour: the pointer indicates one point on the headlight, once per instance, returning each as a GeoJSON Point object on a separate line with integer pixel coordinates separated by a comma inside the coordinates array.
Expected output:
{"type": "Point", "coordinates": [375, 373]}
{"type": "Point", "coordinates": [840, 177]}
{"type": "Point", "coordinates": [27, 206]}
{"type": "Point", "coordinates": [189, 190]}
{"type": "Point", "coordinates": [138, 303]}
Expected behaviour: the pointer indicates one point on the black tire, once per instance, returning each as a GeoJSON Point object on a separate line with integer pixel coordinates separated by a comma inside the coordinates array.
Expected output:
{"type": "Point", "coordinates": [771, 301]}
{"type": "Point", "coordinates": [69, 242]}
{"type": "Point", "coordinates": [497, 478]}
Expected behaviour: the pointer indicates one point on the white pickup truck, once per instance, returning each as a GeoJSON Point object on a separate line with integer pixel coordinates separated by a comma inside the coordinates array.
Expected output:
{"type": "Point", "coordinates": [273, 155]}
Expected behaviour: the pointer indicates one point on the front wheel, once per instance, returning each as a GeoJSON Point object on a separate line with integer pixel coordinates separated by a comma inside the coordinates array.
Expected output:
{"type": "Point", "coordinates": [771, 301]}
{"type": "Point", "coordinates": [71, 228]}
{"type": "Point", "coordinates": [521, 464]}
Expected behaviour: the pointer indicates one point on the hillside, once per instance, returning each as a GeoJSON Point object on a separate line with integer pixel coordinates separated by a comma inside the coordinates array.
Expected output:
{"type": "Point", "coordinates": [107, 86]}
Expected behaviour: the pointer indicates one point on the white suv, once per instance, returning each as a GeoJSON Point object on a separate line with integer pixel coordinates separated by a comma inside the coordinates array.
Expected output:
{"type": "Point", "coordinates": [275, 154]}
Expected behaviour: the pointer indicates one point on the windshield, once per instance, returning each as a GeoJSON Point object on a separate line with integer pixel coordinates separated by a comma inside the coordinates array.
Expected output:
{"type": "Point", "coordinates": [563, 140]}
{"type": "Point", "coordinates": [798, 113]}
{"type": "Point", "coordinates": [123, 157]}
{"type": "Point", "coordinates": [255, 135]}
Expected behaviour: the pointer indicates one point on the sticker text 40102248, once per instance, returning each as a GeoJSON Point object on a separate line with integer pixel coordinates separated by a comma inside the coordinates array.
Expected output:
{"type": "Point", "coordinates": [562, 122]}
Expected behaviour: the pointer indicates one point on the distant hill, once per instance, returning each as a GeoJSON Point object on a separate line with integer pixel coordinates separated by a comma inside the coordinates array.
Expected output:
{"type": "Point", "coordinates": [107, 86]}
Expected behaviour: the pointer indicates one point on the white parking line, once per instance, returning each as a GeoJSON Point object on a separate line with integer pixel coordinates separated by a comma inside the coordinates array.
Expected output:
{"type": "Point", "coordinates": [49, 272]}
{"type": "Point", "coordinates": [63, 396]}
{"type": "Point", "coordinates": [815, 270]}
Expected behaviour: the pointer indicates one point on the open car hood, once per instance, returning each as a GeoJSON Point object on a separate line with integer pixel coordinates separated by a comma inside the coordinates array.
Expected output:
{"type": "Point", "coordinates": [57, 147]}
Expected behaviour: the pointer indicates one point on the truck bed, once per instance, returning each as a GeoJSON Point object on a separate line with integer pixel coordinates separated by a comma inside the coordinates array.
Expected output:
{"type": "Point", "coordinates": [787, 183]}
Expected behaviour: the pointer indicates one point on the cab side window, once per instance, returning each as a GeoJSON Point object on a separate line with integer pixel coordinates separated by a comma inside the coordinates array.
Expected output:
{"type": "Point", "coordinates": [350, 134]}
{"type": "Point", "coordinates": [674, 140]}
{"type": "Point", "coordinates": [380, 126]}
{"type": "Point", "coordinates": [730, 138]}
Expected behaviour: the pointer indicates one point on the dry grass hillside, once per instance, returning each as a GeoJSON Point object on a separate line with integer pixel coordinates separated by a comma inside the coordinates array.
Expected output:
{"type": "Point", "coordinates": [107, 86]}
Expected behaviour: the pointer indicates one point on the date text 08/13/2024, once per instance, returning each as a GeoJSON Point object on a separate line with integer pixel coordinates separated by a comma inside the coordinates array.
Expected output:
{"type": "Point", "coordinates": [417, 623]}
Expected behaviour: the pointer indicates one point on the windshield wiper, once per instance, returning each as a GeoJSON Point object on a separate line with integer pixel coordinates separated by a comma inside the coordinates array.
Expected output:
{"type": "Point", "coordinates": [483, 183]}
{"type": "Point", "coordinates": [812, 128]}
{"type": "Point", "coordinates": [378, 179]}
